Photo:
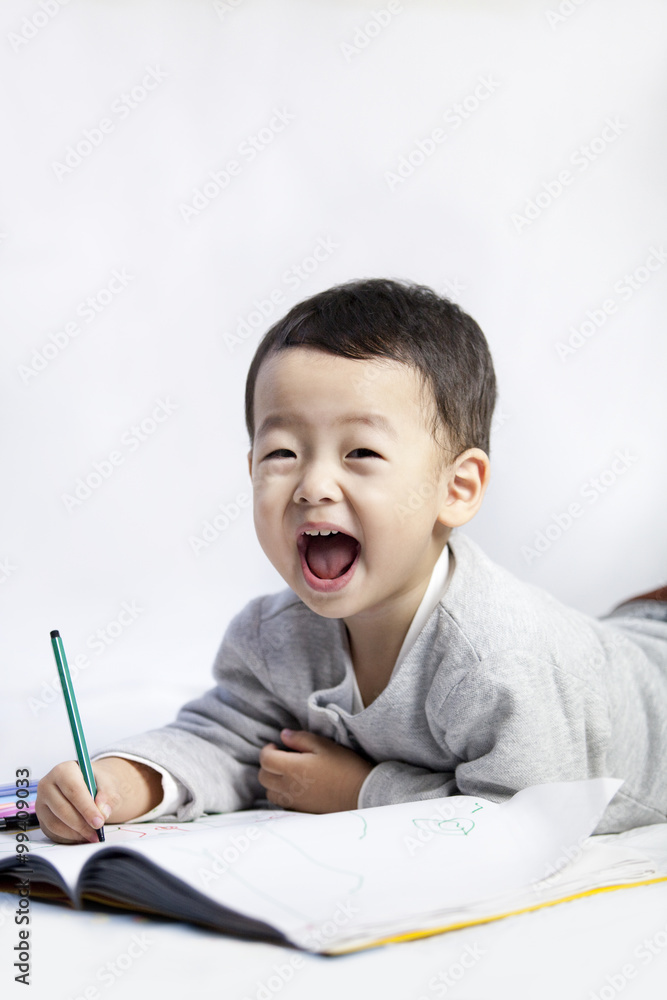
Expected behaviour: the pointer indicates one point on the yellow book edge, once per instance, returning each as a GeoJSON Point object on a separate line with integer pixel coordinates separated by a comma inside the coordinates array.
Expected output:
{"type": "Point", "coordinates": [432, 931]}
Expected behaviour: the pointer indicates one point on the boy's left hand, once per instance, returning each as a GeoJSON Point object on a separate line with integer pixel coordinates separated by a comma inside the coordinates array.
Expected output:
{"type": "Point", "coordinates": [323, 777]}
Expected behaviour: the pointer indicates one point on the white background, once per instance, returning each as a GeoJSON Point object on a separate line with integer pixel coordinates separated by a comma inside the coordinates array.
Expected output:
{"type": "Point", "coordinates": [451, 224]}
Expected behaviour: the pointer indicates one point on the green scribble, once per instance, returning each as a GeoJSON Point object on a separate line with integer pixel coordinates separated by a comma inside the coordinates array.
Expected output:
{"type": "Point", "coordinates": [363, 820]}
{"type": "Point", "coordinates": [446, 826]}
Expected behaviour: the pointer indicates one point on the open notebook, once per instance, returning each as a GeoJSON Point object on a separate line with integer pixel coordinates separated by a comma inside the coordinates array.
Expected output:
{"type": "Point", "coordinates": [343, 881]}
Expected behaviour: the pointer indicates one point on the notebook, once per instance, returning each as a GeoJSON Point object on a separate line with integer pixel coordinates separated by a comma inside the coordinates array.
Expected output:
{"type": "Point", "coordinates": [343, 881]}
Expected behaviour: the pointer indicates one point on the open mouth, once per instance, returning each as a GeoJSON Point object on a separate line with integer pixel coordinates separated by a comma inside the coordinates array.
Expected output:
{"type": "Point", "coordinates": [328, 557]}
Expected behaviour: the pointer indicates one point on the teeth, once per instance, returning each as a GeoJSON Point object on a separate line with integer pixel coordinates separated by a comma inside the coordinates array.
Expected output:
{"type": "Point", "coordinates": [320, 532]}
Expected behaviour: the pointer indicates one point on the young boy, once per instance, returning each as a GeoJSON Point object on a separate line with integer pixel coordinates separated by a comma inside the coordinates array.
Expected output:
{"type": "Point", "coordinates": [400, 663]}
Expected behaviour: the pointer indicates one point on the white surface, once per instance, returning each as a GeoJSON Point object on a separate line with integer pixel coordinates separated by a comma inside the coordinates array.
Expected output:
{"type": "Point", "coordinates": [559, 422]}
{"type": "Point", "coordinates": [562, 951]}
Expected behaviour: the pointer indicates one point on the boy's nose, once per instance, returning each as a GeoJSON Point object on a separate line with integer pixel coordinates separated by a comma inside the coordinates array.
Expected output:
{"type": "Point", "coordinates": [317, 485]}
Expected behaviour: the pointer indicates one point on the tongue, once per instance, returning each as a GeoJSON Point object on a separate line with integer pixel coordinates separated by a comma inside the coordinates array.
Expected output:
{"type": "Point", "coordinates": [330, 555]}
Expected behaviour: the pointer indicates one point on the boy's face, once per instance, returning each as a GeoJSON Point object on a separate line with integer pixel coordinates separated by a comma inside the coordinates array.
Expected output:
{"type": "Point", "coordinates": [315, 462]}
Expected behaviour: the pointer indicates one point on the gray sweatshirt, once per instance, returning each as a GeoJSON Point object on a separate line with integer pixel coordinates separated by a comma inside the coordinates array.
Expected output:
{"type": "Point", "coordinates": [503, 687]}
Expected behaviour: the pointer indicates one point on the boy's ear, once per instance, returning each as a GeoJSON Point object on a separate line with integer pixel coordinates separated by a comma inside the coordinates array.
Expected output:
{"type": "Point", "coordinates": [250, 462]}
{"type": "Point", "coordinates": [464, 482]}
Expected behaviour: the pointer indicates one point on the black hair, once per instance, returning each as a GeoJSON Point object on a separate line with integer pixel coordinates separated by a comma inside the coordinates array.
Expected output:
{"type": "Point", "coordinates": [376, 318]}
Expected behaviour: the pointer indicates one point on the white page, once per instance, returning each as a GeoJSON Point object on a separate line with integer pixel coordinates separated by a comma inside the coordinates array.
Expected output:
{"type": "Point", "coordinates": [69, 859]}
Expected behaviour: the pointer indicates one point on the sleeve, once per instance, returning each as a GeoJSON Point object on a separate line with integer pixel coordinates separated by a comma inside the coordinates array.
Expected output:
{"type": "Point", "coordinates": [512, 721]}
{"type": "Point", "coordinates": [393, 781]}
{"type": "Point", "coordinates": [212, 748]}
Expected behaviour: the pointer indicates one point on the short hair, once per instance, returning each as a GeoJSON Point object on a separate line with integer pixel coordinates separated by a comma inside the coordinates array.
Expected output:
{"type": "Point", "coordinates": [376, 318]}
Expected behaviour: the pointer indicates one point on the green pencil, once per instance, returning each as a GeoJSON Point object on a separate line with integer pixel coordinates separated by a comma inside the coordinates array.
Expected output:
{"type": "Point", "coordinates": [74, 720]}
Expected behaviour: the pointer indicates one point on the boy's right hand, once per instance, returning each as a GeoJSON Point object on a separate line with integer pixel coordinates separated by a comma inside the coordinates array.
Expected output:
{"type": "Point", "coordinates": [66, 810]}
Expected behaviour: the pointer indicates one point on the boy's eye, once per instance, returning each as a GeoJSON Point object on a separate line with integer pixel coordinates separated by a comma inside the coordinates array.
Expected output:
{"type": "Point", "coordinates": [282, 452]}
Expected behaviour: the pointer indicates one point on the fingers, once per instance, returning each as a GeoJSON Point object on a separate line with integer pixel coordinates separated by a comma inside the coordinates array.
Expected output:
{"type": "Point", "coordinates": [270, 773]}
{"type": "Point", "coordinates": [282, 799]}
{"type": "Point", "coordinates": [279, 762]}
{"type": "Point", "coordinates": [283, 773]}
{"type": "Point", "coordinates": [267, 759]}
{"type": "Point", "coordinates": [302, 740]}
{"type": "Point", "coordinates": [72, 832]}
{"type": "Point", "coordinates": [276, 761]}
{"type": "Point", "coordinates": [65, 808]}
{"type": "Point", "coordinates": [284, 776]}
{"type": "Point", "coordinates": [290, 793]}
{"type": "Point", "coordinates": [109, 788]}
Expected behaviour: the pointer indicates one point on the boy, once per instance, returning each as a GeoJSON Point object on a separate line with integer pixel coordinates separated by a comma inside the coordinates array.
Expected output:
{"type": "Point", "coordinates": [400, 663]}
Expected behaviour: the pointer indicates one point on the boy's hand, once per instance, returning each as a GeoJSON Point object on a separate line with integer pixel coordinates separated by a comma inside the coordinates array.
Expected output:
{"type": "Point", "coordinates": [323, 777]}
{"type": "Point", "coordinates": [66, 810]}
